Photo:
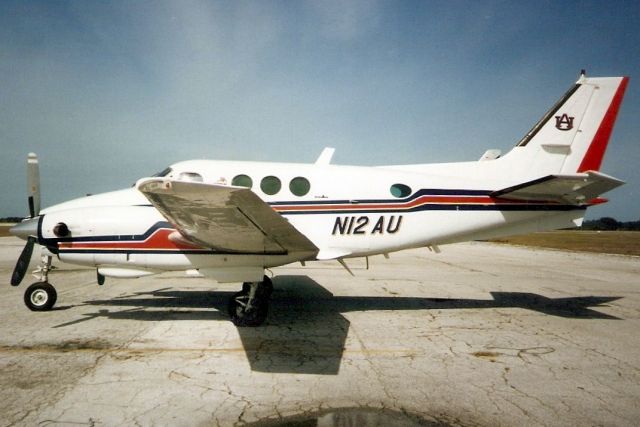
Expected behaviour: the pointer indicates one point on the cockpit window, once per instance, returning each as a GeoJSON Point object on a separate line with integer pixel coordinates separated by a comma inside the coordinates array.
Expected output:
{"type": "Point", "coordinates": [165, 172]}
{"type": "Point", "coordinates": [190, 176]}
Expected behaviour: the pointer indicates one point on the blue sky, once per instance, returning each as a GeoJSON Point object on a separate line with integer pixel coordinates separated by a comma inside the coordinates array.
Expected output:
{"type": "Point", "coordinates": [109, 92]}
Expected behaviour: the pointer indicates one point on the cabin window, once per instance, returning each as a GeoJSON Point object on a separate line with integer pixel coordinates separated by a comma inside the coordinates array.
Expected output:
{"type": "Point", "coordinates": [190, 177]}
{"type": "Point", "coordinates": [242, 181]}
{"type": "Point", "coordinates": [270, 185]}
{"type": "Point", "coordinates": [400, 190]}
{"type": "Point", "coordinates": [299, 186]}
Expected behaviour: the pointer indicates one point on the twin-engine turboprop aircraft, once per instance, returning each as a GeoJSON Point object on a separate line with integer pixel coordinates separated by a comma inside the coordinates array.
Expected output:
{"type": "Point", "coordinates": [231, 220]}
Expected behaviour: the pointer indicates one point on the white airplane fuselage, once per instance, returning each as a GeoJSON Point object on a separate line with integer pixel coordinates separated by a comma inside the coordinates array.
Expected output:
{"type": "Point", "coordinates": [348, 212]}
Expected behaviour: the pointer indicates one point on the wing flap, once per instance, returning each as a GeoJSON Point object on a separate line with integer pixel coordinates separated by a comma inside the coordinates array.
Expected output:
{"type": "Point", "coordinates": [576, 189]}
{"type": "Point", "coordinates": [225, 218]}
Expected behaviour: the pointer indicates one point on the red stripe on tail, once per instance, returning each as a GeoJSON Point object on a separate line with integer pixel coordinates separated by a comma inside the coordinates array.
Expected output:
{"type": "Point", "coordinates": [595, 153]}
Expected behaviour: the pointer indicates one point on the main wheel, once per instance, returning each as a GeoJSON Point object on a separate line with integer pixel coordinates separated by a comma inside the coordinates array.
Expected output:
{"type": "Point", "coordinates": [241, 315]}
{"type": "Point", "coordinates": [267, 285]}
{"type": "Point", "coordinates": [40, 296]}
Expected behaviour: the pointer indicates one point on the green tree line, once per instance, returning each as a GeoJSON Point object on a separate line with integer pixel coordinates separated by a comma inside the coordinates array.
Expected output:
{"type": "Point", "coordinates": [609, 224]}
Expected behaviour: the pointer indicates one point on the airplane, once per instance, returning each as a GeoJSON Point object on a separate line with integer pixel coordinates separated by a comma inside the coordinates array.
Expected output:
{"type": "Point", "coordinates": [232, 220]}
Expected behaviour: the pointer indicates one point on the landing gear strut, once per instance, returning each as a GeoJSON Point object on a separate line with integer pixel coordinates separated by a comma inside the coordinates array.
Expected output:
{"type": "Point", "coordinates": [249, 307]}
{"type": "Point", "coordinates": [41, 296]}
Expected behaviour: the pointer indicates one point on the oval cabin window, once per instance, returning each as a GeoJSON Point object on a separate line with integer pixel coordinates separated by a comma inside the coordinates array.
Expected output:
{"type": "Point", "coordinates": [270, 185]}
{"type": "Point", "coordinates": [299, 186]}
{"type": "Point", "coordinates": [242, 181]}
{"type": "Point", "coordinates": [400, 190]}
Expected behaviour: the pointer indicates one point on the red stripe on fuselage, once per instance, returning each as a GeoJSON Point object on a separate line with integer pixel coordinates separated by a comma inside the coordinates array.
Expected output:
{"type": "Point", "coordinates": [159, 240]}
{"type": "Point", "coordinates": [422, 200]}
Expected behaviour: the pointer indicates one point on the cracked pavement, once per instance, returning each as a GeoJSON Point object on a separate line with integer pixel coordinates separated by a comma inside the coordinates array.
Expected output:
{"type": "Point", "coordinates": [481, 334]}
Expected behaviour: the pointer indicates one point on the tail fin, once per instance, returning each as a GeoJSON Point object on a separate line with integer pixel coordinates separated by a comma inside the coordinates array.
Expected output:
{"type": "Point", "coordinates": [592, 158]}
{"type": "Point", "coordinates": [573, 135]}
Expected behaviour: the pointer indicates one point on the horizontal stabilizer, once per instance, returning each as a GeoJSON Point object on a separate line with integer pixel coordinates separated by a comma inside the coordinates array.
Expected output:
{"type": "Point", "coordinates": [576, 189]}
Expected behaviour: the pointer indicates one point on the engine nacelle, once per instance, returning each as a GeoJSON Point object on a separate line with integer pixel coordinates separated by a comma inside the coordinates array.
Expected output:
{"type": "Point", "coordinates": [101, 235]}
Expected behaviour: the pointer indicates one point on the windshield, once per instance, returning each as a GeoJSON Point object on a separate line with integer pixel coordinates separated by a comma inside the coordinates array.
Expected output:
{"type": "Point", "coordinates": [165, 172]}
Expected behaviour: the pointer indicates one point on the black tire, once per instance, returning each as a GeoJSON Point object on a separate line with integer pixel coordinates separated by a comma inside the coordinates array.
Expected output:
{"type": "Point", "coordinates": [246, 286]}
{"type": "Point", "coordinates": [40, 296]}
{"type": "Point", "coordinates": [267, 285]}
{"type": "Point", "coordinates": [243, 318]}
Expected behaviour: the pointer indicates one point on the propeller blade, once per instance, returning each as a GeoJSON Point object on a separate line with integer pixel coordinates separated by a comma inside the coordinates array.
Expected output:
{"type": "Point", "coordinates": [23, 262]}
{"type": "Point", "coordinates": [33, 181]}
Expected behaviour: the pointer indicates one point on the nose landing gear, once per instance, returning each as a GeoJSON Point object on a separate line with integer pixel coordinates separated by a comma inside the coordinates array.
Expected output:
{"type": "Point", "coordinates": [41, 296]}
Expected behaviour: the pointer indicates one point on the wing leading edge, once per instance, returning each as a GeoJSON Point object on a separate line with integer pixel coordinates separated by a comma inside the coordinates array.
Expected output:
{"type": "Point", "coordinates": [576, 189]}
{"type": "Point", "coordinates": [225, 218]}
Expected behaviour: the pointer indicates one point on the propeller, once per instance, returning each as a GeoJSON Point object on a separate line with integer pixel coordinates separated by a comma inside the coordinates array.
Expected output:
{"type": "Point", "coordinates": [28, 228]}
{"type": "Point", "coordinates": [33, 180]}
{"type": "Point", "coordinates": [23, 262]}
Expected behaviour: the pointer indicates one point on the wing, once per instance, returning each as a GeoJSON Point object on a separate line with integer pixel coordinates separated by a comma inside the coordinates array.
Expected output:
{"type": "Point", "coordinates": [575, 189]}
{"type": "Point", "coordinates": [225, 218]}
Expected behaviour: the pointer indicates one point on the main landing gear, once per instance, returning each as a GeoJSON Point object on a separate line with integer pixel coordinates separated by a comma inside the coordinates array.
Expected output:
{"type": "Point", "coordinates": [41, 296]}
{"type": "Point", "coordinates": [249, 306]}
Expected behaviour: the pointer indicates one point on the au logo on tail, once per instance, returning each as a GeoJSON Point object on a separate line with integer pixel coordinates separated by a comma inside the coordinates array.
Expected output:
{"type": "Point", "coordinates": [564, 122]}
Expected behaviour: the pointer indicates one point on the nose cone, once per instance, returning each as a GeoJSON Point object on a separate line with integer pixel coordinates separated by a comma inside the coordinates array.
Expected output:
{"type": "Point", "coordinates": [28, 227]}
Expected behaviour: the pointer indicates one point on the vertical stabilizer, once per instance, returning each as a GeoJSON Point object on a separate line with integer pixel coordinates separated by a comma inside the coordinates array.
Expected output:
{"type": "Point", "coordinates": [592, 158]}
{"type": "Point", "coordinates": [573, 135]}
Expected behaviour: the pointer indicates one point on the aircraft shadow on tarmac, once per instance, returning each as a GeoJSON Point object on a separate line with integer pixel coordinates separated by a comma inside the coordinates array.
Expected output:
{"type": "Point", "coordinates": [305, 331]}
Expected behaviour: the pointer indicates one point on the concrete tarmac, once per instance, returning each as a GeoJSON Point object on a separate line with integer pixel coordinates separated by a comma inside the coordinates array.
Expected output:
{"type": "Point", "coordinates": [480, 334]}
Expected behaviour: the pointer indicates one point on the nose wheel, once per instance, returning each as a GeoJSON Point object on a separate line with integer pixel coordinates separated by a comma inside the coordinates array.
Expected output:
{"type": "Point", "coordinates": [249, 307]}
{"type": "Point", "coordinates": [40, 296]}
